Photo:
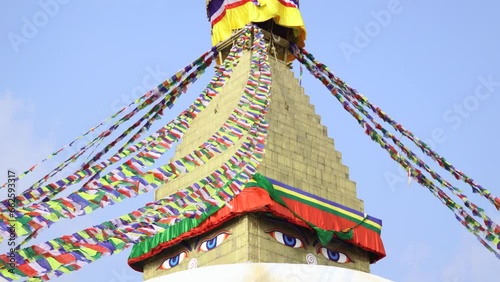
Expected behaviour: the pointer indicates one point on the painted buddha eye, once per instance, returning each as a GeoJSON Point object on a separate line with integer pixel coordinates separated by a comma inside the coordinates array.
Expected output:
{"type": "Point", "coordinates": [335, 256]}
{"type": "Point", "coordinates": [214, 242]}
{"type": "Point", "coordinates": [173, 261]}
{"type": "Point", "coordinates": [285, 239]}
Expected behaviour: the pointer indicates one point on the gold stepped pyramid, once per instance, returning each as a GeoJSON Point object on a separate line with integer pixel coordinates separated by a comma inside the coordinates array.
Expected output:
{"type": "Point", "coordinates": [298, 153]}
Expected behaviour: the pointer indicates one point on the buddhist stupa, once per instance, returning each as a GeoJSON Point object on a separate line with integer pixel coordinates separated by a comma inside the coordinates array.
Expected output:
{"type": "Point", "coordinates": [255, 190]}
{"type": "Point", "coordinates": [298, 219]}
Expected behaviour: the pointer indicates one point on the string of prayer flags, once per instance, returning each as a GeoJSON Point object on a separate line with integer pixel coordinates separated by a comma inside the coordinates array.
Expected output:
{"type": "Point", "coordinates": [156, 95]}
{"type": "Point", "coordinates": [125, 192]}
{"type": "Point", "coordinates": [48, 191]}
{"type": "Point", "coordinates": [476, 188]}
{"type": "Point", "coordinates": [188, 207]}
{"type": "Point", "coordinates": [138, 101]}
{"type": "Point", "coordinates": [29, 195]}
{"type": "Point", "coordinates": [492, 227]}
{"type": "Point", "coordinates": [86, 200]}
{"type": "Point", "coordinates": [490, 232]}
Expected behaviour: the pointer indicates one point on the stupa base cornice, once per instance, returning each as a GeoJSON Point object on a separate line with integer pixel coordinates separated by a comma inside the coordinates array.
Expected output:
{"type": "Point", "coordinates": [275, 272]}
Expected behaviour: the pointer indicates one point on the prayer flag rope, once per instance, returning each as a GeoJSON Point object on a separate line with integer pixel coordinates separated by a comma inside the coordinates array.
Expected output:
{"type": "Point", "coordinates": [89, 245]}
{"type": "Point", "coordinates": [98, 168]}
{"type": "Point", "coordinates": [157, 111]}
{"type": "Point", "coordinates": [36, 193]}
{"type": "Point", "coordinates": [76, 201]}
{"type": "Point", "coordinates": [415, 173]}
{"type": "Point", "coordinates": [106, 133]}
{"type": "Point", "coordinates": [170, 169]}
{"type": "Point", "coordinates": [70, 253]}
{"type": "Point", "coordinates": [139, 101]}
{"type": "Point", "coordinates": [476, 188]}
{"type": "Point", "coordinates": [492, 227]}
{"type": "Point", "coordinates": [169, 99]}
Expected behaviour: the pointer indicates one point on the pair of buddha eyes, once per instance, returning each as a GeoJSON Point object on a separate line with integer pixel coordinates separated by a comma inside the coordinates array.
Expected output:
{"type": "Point", "coordinates": [281, 237]}
{"type": "Point", "coordinates": [295, 242]}
{"type": "Point", "coordinates": [205, 246]}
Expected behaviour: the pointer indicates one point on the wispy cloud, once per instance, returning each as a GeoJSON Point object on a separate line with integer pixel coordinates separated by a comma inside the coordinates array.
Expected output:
{"type": "Point", "coordinates": [471, 263]}
{"type": "Point", "coordinates": [22, 145]}
{"type": "Point", "coordinates": [19, 146]}
{"type": "Point", "coordinates": [413, 258]}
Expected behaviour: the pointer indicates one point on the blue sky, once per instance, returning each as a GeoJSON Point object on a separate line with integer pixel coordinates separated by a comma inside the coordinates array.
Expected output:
{"type": "Point", "coordinates": [420, 61]}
